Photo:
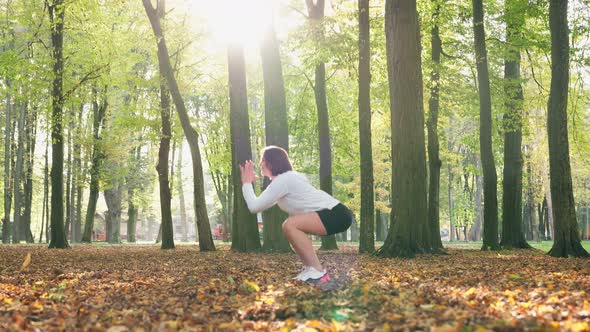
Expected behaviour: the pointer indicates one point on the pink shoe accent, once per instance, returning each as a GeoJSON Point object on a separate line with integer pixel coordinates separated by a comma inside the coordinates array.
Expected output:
{"type": "Point", "coordinates": [325, 278]}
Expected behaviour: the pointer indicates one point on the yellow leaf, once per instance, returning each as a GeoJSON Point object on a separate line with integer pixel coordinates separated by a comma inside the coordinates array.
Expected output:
{"type": "Point", "coordinates": [446, 328]}
{"type": "Point", "coordinates": [470, 291]}
{"type": "Point", "coordinates": [26, 263]}
{"type": "Point", "coordinates": [37, 305]}
{"type": "Point", "coordinates": [580, 326]}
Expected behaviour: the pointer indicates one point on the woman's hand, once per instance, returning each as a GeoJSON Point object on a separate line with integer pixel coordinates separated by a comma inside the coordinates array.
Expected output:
{"type": "Point", "coordinates": [248, 174]}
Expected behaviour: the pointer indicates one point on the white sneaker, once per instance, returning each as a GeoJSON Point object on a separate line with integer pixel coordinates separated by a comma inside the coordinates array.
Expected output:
{"type": "Point", "coordinates": [311, 274]}
{"type": "Point", "coordinates": [302, 273]}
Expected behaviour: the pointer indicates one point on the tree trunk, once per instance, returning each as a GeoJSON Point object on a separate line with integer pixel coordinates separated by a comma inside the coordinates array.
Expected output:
{"type": "Point", "coordinates": [475, 232]}
{"type": "Point", "coordinates": [180, 189]}
{"type": "Point", "coordinates": [490, 191]}
{"type": "Point", "coordinates": [30, 139]}
{"type": "Point", "coordinates": [77, 208]}
{"type": "Point", "coordinates": [451, 204]}
{"type": "Point", "coordinates": [512, 223]}
{"type": "Point", "coordinates": [97, 159]}
{"type": "Point", "coordinates": [276, 132]}
{"type": "Point", "coordinates": [58, 234]}
{"type": "Point", "coordinates": [434, 162]}
{"type": "Point", "coordinates": [245, 236]}
{"type": "Point", "coordinates": [69, 181]}
{"type": "Point", "coordinates": [46, 194]}
{"type": "Point", "coordinates": [166, 226]}
{"type": "Point", "coordinates": [408, 233]}
{"type": "Point", "coordinates": [17, 224]}
{"type": "Point", "coordinates": [316, 16]}
{"type": "Point", "coordinates": [7, 159]}
{"type": "Point", "coordinates": [202, 219]}
{"type": "Point", "coordinates": [566, 241]}
{"type": "Point", "coordinates": [113, 197]}
{"type": "Point", "coordinates": [367, 220]}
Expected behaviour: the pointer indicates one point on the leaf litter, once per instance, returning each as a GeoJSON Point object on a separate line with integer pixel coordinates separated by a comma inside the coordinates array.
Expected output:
{"type": "Point", "coordinates": [144, 288]}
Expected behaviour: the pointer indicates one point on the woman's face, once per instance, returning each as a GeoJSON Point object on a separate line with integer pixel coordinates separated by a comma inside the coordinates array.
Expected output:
{"type": "Point", "coordinates": [265, 171]}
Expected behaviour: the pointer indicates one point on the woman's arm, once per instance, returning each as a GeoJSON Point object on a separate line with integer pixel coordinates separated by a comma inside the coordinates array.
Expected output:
{"type": "Point", "coordinates": [268, 198]}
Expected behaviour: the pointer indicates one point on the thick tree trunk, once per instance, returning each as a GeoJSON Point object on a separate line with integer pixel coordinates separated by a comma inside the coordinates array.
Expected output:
{"type": "Point", "coordinates": [408, 233]}
{"type": "Point", "coordinates": [114, 198]}
{"type": "Point", "coordinates": [245, 236]}
{"type": "Point", "coordinates": [434, 162]}
{"type": "Point", "coordinates": [490, 179]}
{"type": "Point", "coordinates": [566, 241]}
{"type": "Point", "coordinates": [367, 220]}
{"type": "Point", "coordinates": [202, 219]}
{"type": "Point", "coordinates": [58, 234]}
{"type": "Point", "coordinates": [97, 159]}
{"type": "Point", "coordinates": [276, 132]}
{"type": "Point", "coordinates": [512, 224]}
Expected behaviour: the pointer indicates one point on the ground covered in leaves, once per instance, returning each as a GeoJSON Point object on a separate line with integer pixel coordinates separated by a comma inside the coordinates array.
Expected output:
{"type": "Point", "coordinates": [144, 288]}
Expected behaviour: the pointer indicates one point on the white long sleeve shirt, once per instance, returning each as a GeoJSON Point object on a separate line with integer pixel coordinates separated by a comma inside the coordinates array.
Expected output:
{"type": "Point", "coordinates": [292, 192]}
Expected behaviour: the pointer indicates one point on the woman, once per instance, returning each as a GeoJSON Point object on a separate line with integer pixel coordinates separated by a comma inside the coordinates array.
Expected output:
{"type": "Point", "coordinates": [311, 211]}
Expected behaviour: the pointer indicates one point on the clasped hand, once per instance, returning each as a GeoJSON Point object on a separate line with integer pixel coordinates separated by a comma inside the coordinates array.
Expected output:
{"type": "Point", "coordinates": [248, 174]}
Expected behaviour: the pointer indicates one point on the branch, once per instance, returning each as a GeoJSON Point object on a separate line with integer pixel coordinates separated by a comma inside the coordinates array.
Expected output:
{"type": "Point", "coordinates": [89, 76]}
{"type": "Point", "coordinates": [533, 70]}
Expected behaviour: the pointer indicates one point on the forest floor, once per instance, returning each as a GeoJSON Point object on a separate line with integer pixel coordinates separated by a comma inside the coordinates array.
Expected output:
{"type": "Point", "coordinates": [144, 288]}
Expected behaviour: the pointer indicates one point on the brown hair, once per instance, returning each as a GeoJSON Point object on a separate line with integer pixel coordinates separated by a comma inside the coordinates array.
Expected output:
{"type": "Point", "coordinates": [276, 160]}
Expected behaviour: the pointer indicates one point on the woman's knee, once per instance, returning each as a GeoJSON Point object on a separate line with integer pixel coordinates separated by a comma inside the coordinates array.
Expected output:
{"type": "Point", "coordinates": [287, 225]}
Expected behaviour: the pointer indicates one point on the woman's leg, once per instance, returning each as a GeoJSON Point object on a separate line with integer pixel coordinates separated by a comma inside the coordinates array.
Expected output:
{"type": "Point", "coordinates": [296, 229]}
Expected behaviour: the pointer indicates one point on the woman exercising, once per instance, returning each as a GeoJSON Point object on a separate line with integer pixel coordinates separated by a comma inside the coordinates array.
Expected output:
{"type": "Point", "coordinates": [311, 211]}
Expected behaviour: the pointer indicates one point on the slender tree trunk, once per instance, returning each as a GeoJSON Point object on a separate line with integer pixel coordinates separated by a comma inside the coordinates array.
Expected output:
{"type": "Point", "coordinates": [367, 222]}
{"type": "Point", "coordinates": [202, 219]}
{"type": "Point", "coordinates": [17, 224]}
{"type": "Point", "coordinates": [566, 241]}
{"type": "Point", "coordinates": [408, 233]}
{"type": "Point", "coordinates": [97, 160]}
{"type": "Point", "coordinates": [316, 16]}
{"type": "Point", "coordinates": [180, 188]}
{"type": "Point", "coordinates": [77, 221]}
{"type": "Point", "coordinates": [166, 226]}
{"type": "Point", "coordinates": [475, 232]}
{"type": "Point", "coordinates": [46, 193]}
{"type": "Point", "coordinates": [132, 209]}
{"type": "Point", "coordinates": [69, 181]}
{"type": "Point", "coordinates": [451, 205]}
{"type": "Point", "coordinates": [7, 159]}
{"type": "Point", "coordinates": [490, 179]}
{"type": "Point", "coordinates": [434, 162]}
{"type": "Point", "coordinates": [276, 132]}
{"type": "Point", "coordinates": [245, 236]}
{"type": "Point", "coordinates": [512, 232]}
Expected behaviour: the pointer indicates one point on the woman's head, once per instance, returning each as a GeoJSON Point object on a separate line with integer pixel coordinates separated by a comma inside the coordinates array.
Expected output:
{"type": "Point", "coordinates": [276, 160]}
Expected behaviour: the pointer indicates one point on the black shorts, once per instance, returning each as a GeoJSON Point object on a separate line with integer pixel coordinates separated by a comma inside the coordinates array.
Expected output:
{"type": "Point", "coordinates": [336, 220]}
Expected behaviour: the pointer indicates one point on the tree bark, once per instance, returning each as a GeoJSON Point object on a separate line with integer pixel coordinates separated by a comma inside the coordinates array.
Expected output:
{"type": "Point", "coordinates": [7, 159]}
{"type": "Point", "coordinates": [202, 219]}
{"type": "Point", "coordinates": [512, 223]}
{"type": "Point", "coordinates": [490, 179]}
{"type": "Point", "coordinates": [566, 241]}
{"type": "Point", "coordinates": [77, 183]}
{"type": "Point", "coordinates": [434, 162]}
{"type": "Point", "coordinates": [245, 236]}
{"type": "Point", "coordinates": [276, 132]}
{"type": "Point", "coordinates": [316, 16]}
{"type": "Point", "coordinates": [180, 188]}
{"type": "Point", "coordinates": [367, 220]}
{"type": "Point", "coordinates": [18, 224]}
{"type": "Point", "coordinates": [408, 233]}
{"type": "Point", "coordinates": [58, 235]}
{"type": "Point", "coordinates": [113, 197]}
{"type": "Point", "coordinates": [97, 160]}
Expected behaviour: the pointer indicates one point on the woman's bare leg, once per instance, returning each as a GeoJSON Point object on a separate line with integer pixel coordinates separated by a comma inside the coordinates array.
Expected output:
{"type": "Point", "coordinates": [296, 229]}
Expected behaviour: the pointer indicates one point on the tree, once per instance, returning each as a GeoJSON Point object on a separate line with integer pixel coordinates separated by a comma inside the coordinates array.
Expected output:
{"type": "Point", "coordinates": [490, 179]}
{"type": "Point", "coordinates": [277, 133]}
{"type": "Point", "coordinates": [162, 166]}
{"type": "Point", "coordinates": [316, 15]}
{"type": "Point", "coordinates": [434, 162]}
{"type": "Point", "coordinates": [245, 236]}
{"type": "Point", "coordinates": [408, 233]}
{"type": "Point", "coordinates": [512, 232]}
{"type": "Point", "coordinates": [367, 235]}
{"type": "Point", "coordinates": [566, 239]}
{"type": "Point", "coordinates": [56, 16]}
{"type": "Point", "coordinates": [99, 112]}
{"type": "Point", "coordinates": [205, 237]}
